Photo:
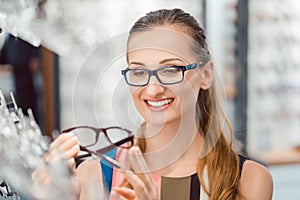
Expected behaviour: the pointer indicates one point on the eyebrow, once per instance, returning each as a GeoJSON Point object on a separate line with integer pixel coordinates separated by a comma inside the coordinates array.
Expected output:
{"type": "Point", "coordinates": [136, 63]}
{"type": "Point", "coordinates": [170, 59]}
{"type": "Point", "coordinates": [161, 62]}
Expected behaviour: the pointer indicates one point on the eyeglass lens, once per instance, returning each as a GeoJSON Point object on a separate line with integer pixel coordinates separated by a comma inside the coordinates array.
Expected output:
{"type": "Point", "coordinates": [165, 75]}
{"type": "Point", "coordinates": [88, 137]}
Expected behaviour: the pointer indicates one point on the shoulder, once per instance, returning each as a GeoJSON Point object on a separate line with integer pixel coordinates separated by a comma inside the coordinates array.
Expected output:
{"type": "Point", "coordinates": [256, 181]}
{"type": "Point", "coordinates": [89, 169]}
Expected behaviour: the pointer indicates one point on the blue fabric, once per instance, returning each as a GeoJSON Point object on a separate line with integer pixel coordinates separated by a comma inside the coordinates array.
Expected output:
{"type": "Point", "coordinates": [107, 169]}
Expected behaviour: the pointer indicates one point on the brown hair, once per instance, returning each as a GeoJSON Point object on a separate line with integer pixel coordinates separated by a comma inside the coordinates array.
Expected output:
{"type": "Point", "coordinates": [216, 154]}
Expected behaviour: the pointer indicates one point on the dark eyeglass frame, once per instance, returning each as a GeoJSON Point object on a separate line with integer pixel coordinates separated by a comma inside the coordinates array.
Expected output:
{"type": "Point", "coordinates": [7, 193]}
{"type": "Point", "coordinates": [100, 152]}
{"type": "Point", "coordinates": [154, 73]}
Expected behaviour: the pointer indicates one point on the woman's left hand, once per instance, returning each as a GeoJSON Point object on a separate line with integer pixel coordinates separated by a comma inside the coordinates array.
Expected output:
{"type": "Point", "coordinates": [144, 186]}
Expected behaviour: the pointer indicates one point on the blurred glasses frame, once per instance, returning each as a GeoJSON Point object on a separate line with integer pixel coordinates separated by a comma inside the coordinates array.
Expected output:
{"type": "Point", "coordinates": [10, 195]}
{"type": "Point", "coordinates": [11, 106]}
{"type": "Point", "coordinates": [6, 193]}
{"type": "Point", "coordinates": [99, 154]}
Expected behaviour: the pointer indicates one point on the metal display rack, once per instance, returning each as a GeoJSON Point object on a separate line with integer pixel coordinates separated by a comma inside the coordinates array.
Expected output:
{"type": "Point", "coordinates": [241, 76]}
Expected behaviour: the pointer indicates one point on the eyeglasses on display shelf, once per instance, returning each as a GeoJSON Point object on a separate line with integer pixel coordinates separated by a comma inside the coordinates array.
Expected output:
{"type": "Point", "coordinates": [273, 76]}
{"type": "Point", "coordinates": [22, 146]}
{"type": "Point", "coordinates": [5, 191]}
{"type": "Point", "coordinates": [104, 139]}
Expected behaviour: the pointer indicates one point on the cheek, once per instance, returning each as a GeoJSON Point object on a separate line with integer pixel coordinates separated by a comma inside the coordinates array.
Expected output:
{"type": "Point", "coordinates": [192, 84]}
{"type": "Point", "coordinates": [135, 94]}
{"type": "Point", "coordinates": [188, 93]}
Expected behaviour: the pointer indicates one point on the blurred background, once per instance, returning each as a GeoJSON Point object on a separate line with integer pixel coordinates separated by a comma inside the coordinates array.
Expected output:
{"type": "Point", "coordinates": [72, 53]}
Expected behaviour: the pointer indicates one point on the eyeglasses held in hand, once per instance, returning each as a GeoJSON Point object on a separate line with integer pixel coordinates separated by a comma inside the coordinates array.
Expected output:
{"type": "Point", "coordinates": [168, 75]}
{"type": "Point", "coordinates": [109, 138]}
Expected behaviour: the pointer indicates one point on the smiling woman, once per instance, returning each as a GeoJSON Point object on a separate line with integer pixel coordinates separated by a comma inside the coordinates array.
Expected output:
{"type": "Point", "coordinates": [180, 151]}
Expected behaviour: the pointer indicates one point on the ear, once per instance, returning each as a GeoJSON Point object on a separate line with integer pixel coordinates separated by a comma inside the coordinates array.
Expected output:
{"type": "Point", "coordinates": [207, 75]}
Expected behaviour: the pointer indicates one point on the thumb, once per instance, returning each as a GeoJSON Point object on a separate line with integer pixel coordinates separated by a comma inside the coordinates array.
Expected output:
{"type": "Point", "coordinates": [72, 165]}
{"type": "Point", "coordinates": [115, 196]}
{"type": "Point", "coordinates": [75, 188]}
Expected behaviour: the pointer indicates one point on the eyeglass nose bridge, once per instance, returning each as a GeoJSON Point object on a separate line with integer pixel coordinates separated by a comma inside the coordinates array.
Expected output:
{"type": "Point", "coordinates": [153, 73]}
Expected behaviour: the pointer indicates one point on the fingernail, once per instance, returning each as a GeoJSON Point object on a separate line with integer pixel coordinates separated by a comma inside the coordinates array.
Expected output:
{"type": "Point", "coordinates": [74, 139]}
{"type": "Point", "coordinates": [71, 161]}
{"type": "Point", "coordinates": [69, 134]}
{"type": "Point", "coordinates": [75, 148]}
{"type": "Point", "coordinates": [135, 149]}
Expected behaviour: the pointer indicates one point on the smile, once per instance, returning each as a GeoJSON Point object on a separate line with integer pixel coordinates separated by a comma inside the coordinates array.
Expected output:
{"type": "Point", "coordinates": [159, 103]}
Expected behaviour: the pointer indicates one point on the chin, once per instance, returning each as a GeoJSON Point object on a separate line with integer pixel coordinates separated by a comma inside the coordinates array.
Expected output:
{"type": "Point", "coordinates": [160, 119]}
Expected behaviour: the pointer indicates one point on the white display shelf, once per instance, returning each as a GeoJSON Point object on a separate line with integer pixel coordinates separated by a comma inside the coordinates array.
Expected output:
{"type": "Point", "coordinates": [273, 76]}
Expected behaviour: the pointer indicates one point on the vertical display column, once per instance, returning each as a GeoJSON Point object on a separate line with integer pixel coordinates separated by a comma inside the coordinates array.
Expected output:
{"type": "Point", "coordinates": [273, 117]}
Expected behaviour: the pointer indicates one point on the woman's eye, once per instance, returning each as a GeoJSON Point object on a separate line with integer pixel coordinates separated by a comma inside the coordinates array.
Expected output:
{"type": "Point", "coordinates": [170, 71]}
{"type": "Point", "coordinates": [139, 72]}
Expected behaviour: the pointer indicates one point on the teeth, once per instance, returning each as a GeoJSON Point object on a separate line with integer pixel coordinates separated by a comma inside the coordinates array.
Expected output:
{"type": "Point", "coordinates": [160, 103]}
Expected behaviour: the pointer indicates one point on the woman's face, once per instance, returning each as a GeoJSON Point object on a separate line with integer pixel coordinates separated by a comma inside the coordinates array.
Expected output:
{"type": "Point", "coordinates": [152, 49]}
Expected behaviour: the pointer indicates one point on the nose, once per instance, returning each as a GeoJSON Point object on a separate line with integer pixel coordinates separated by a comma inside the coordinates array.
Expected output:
{"type": "Point", "coordinates": [153, 78]}
{"type": "Point", "coordinates": [154, 88]}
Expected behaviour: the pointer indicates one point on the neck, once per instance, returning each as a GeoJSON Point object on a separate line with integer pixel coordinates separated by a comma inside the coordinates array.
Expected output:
{"type": "Point", "coordinates": [159, 136]}
{"type": "Point", "coordinates": [173, 148]}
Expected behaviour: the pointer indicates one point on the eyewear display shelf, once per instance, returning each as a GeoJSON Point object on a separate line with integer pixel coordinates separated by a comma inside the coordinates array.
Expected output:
{"type": "Point", "coordinates": [273, 117]}
{"type": "Point", "coordinates": [268, 89]}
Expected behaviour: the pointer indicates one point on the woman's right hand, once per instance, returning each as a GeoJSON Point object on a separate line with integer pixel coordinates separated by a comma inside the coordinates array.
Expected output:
{"type": "Point", "coordinates": [65, 146]}
{"type": "Point", "coordinates": [144, 186]}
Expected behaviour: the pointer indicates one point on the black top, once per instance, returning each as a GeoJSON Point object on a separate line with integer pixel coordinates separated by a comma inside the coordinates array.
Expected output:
{"type": "Point", "coordinates": [195, 184]}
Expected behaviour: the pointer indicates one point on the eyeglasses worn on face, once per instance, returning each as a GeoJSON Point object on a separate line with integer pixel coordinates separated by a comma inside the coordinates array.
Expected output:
{"type": "Point", "coordinates": [110, 138]}
{"type": "Point", "coordinates": [167, 75]}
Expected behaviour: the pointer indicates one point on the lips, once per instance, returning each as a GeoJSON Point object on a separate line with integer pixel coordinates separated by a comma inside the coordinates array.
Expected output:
{"type": "Point", "coordinates": [159, 103]}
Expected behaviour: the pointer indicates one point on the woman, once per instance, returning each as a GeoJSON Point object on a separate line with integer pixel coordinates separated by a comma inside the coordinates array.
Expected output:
{"type": "Point", "coordinates": [170, 74]}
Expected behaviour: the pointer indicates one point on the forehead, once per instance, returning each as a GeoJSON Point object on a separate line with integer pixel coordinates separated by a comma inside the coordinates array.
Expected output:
{"type": "Point", "coordinates": [160, 43]}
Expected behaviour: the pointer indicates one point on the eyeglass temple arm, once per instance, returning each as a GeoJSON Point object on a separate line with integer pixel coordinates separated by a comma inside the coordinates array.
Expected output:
{"type": "Point", "coordinates": [101, 156]}
{"type": "Point", "coordinates": [116, 144]}
{"type": "Point", "coordinates": [103, 150]}
{"type": "Point", "coordinates": [85, 155]}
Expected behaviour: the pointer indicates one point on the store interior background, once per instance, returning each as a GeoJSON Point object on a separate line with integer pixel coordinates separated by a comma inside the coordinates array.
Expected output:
{"type": "Point", "coordinates": [255, 45]}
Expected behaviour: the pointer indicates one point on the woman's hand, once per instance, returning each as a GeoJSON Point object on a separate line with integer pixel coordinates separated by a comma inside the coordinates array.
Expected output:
{"type": "Point", "coordinates": [65, 146]}
{"type": "Point", "coordinates": [68, 146]}
{"type": "Point", "coordinates": [144, 186]}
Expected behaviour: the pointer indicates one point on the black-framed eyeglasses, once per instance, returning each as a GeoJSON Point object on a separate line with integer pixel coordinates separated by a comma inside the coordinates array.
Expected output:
{"type": "Point", "coordinates": [105, 138]}
{"type": "Point", "coordinates": [167, 75]}
{"type": "Point", "coordinates": [6, 192]}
